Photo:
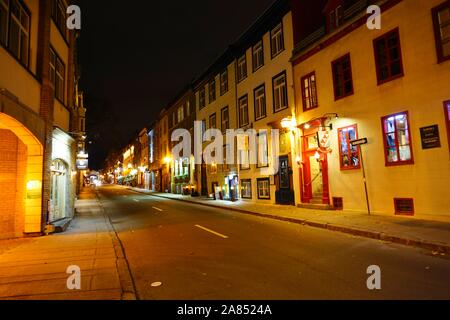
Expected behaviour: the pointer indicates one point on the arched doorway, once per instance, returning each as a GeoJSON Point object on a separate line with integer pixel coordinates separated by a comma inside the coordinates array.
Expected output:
{"type": "Point", "coordinates": [21, 165]}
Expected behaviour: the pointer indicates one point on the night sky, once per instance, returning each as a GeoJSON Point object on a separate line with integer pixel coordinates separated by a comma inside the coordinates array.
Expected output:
{"type": "Point", "coordinates": [136, 56]}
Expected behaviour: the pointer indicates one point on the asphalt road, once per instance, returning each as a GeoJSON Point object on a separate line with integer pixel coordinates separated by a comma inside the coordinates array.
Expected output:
{"type": "Point", "coordinates": [197, 252]}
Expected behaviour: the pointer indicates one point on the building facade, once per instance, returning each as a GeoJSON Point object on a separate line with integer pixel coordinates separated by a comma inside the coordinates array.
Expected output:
{"type": "Point", "coordinates": [388, 85]}
{"type": "Point", "coordinates": [38, 116]}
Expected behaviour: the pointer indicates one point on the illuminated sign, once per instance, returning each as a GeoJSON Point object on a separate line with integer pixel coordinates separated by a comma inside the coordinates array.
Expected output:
{"type": "Point", "coordinates": [82, 164]}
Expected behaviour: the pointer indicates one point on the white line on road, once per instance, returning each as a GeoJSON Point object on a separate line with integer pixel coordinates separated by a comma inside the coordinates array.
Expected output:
{"type": "Point", "coordinates": [158, 209]}
{"type": "Point", "coordinates": [136, 200]}
{"type": "Point", "coordinates": [211, 231]}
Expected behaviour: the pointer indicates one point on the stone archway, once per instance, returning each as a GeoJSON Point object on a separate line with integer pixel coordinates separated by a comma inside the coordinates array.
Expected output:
{"type": "Point", "coordinates": [21, 173]}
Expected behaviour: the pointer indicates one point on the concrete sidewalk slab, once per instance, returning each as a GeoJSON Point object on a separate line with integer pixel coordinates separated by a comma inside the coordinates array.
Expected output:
{"type": "Point", "coordinates": [35, 269]}
{"type": "Point", "coordinates": [429, 234]}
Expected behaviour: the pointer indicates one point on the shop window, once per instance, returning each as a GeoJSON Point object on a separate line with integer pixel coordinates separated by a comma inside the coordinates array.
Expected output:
{"type": "Point", "coordinates": [397, 139]}
{"type": "Point", "coordinates": [441, 21]}
{"type": "Point", "coordinates": [264, 188]}
{"type": "Point", "coordinates": [246, 189]}
{"type": "Point", "coordinates": [309, 91]}
{"type": "Point", "coordinates": [348, 154]}
{"type": "Point", "coordinates": [388, 56]}
{"type": "Point", "coordinates": [342, 77]}
{"type": "Point", "coordinates": [404, 206]}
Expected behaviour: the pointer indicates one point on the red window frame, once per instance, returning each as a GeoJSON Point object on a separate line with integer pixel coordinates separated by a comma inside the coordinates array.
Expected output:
{"type": "Point", "coordinates": [447, 120]}
{"type": "Point", "coordinates": [339, 78]}
{"type": "Point", "coordinates": [349, 152]}
{"type": "Point", "coordinates": [397, 146]}
{"type": "Point", "coordinates": [390, 61]}
{"type": "Point", "coordinates": [437, 31]}
{"type": "Point", "coordinates": [312, 92]}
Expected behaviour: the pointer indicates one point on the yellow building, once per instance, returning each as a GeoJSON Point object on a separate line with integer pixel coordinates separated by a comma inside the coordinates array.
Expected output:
{"type": "Point", "coordinates": [37, 158]}
{"type": "Point", "coordinates": [388, 85]}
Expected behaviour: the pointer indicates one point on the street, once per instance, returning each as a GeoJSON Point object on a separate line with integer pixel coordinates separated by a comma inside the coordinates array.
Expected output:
{"type": "Point", "coordinates": [178, 250]}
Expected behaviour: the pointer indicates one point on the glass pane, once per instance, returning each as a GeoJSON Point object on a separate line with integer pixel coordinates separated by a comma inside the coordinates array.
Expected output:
{"type": "Point", "coordinates": [444, 15]}
{"type": "Point", "coordinates": [390, 140]}
{"type": "Point", "coordinates": [3, 25]}
{"type": "Point", "coordinates": [392, 155]}
{"type": "Point", "coordinates": [405, 153]}
{"type": "Point", "coordinates": [389, 125]}
{"type": "Point", "coordinates": [403, 137]}
{"type": "Point", "coordinates": [446, 49]}
{"type": "Point", "coordinates": [14, 38]}
{"type": "Point", "coordinates": [24, 48]}
{"type": "Point", "coordinates": [396, 68]}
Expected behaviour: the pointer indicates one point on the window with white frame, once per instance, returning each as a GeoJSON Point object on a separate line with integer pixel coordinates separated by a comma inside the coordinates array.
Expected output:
{"type": "Point", "coordinates": [280, 99]}
{"type": "Point", "coordinates": [246, 189]}
{"type": "Point", "coordinates": [244, 151]}
{"type": "Point", "coordinates": [242, 68]}
{"type": "Point", "coordinates": [263, 149]}
{"type": "Point", "coordinates": [258, 55]}
{"type": "Point", "coordinates": [18, 31]}
{"type": "Point", "coordinates": [263, 188]}
{"type": "Point", "coordinates": [243, 111]}
{"type": "Point", "coordinates": [277, 40]}
{"type": "Point", "coordinates": [57, 75]}
{"type": "Point", "coordinates": [260, 103]}
{"type": "Point", "coordinates": [224, 82]}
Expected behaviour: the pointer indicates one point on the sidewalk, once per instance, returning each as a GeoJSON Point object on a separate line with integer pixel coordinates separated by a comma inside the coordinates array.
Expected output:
{"type": "Point", "coordinates": [427, 234]}
{"type": "Point", "coordinates": [35, 268]}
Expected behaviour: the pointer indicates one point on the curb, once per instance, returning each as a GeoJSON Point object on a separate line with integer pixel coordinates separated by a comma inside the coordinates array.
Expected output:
{"type": "Point", "coordinates": [423, 244]}
{"type": "Point", "coordinates": [126, 279]}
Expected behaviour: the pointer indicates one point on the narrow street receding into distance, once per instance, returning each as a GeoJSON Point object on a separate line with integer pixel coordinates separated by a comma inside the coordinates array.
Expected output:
{"type": "Point", "coordinates": [198, 252]}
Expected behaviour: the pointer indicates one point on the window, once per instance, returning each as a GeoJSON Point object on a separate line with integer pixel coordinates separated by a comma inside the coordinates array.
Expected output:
{"type": "Point", "coordinates": [404, 206]}
{"type": "Point", "coordinates": [225, 119]}
{"type": "Point", "coordinates": [224, 82]}
{"type": "Point", "coordinates": [264, 188]}
{"type": "Point", "coordinates": [447, 120]}
{"type": "Point", "coordinates": [242, 68]}
{"type": "Point", "coordinates": [348, 154]}
{"type": "Point", "coordinates": [388, 56]}
{"type": "Point", "coordinates": [258, 55]}
{"type": "Point", "coordinates": [4, 8]}
{"type": "Point", "coordinates": [212, 121]}
{"type": "Point", "coordinates": [212, 90]}
{"type": "Point", "coordinates": [246, 189]}
{"type": "Point", "coordinates": [201, 98]}
{"type": "Point", "coordinates": [243, 111]}
{"type": "Point", "coordinates": [309, 92]}
{"type": "Point", "coordinates": [342, 77]}
{"type": "Point", "coordinates": [334, 18]}
{"type": "Point", "coordinates": [260, 103]}
{"type": "Point", "coordinates": [280, 100]}
{"type": "Point", "coordinates": [276, 40]}
{"type": "Point", "coordinates": [263, 150]}
{"type": "Point", "coordinates": [59, 16]}
{"type": "Point", "coordinates": [441, 22]}
{"type": "Point", "coordinates": [18, 31]}
{"type": "Point", "coordinates": [180, 114]}
{"type": "Point", "coordinates": [203, 127]}
{"type": "Point", "coordinates": [244, 151]}
{"type": "Point", "coordinates": [57, 75]}
{"type": "Point", "coordinates": [397, 139]}
{"type": "Point", "coordinates": [188, 109]}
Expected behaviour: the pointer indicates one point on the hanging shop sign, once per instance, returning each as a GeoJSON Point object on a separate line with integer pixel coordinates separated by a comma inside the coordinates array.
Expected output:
{"type": "Point", "coordinates": [82, 164]}
{"type": "Point", "coordinates": [430, 137]}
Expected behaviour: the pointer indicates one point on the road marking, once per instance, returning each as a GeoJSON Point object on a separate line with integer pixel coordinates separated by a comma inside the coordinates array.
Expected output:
{"type": "Point", "coordinates": [136, 200]}
{"type": "Point", "coordinates": [158, 209]}
{"type": "Point", "coordinates": [211, 231]}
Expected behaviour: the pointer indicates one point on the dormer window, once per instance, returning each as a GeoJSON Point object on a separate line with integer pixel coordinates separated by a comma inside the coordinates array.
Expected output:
{"type": "Point", "coordinates": [335, 18]}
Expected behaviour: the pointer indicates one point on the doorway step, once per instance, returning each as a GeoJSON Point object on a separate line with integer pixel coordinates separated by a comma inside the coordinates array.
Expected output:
{"type": "Point", "coordinates": [315, 205]}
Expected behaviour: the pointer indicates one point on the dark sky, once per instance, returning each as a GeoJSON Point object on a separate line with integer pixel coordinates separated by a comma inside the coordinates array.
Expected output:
{"type": "Point", "coordinates": [136, 56]}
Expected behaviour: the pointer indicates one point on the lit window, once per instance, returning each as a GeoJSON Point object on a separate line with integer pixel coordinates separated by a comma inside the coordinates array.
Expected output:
{"type": "Point", "coordinates": [243, 111]}
{"type": "Point", "coordinates": [258, 55]}
{"type": "Point", "coordinates": [242, 68]}
{"type": "Point", "coordinates": [280, 100]}
{"type": "Point", "coordinates": [348, 154]}
{"type": "Point", "coordinates": [441, 20]}
{"type": "Point", "coordinates": [260, 103]}
{"type": "Point", "coordinates": [388, 56]}
{"type": "Point", "coordinates": [246, 189]}
{"type": "Point", "coordinates": [309, 92]}
{"type": "Point", "coordinates": [276, 40]}
{"type": "Point", "coordinates": [263, 188]}
{"type": "Point", "coordinates": [397, 139]}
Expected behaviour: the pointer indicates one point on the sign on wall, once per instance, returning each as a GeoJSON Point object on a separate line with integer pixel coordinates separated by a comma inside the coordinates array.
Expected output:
{"type": "Point", "coordinates": [430, 137]}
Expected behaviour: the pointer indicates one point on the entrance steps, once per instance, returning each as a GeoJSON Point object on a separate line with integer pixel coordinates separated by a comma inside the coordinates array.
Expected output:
{"type": "Point", "coordinates": [315, 205]}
